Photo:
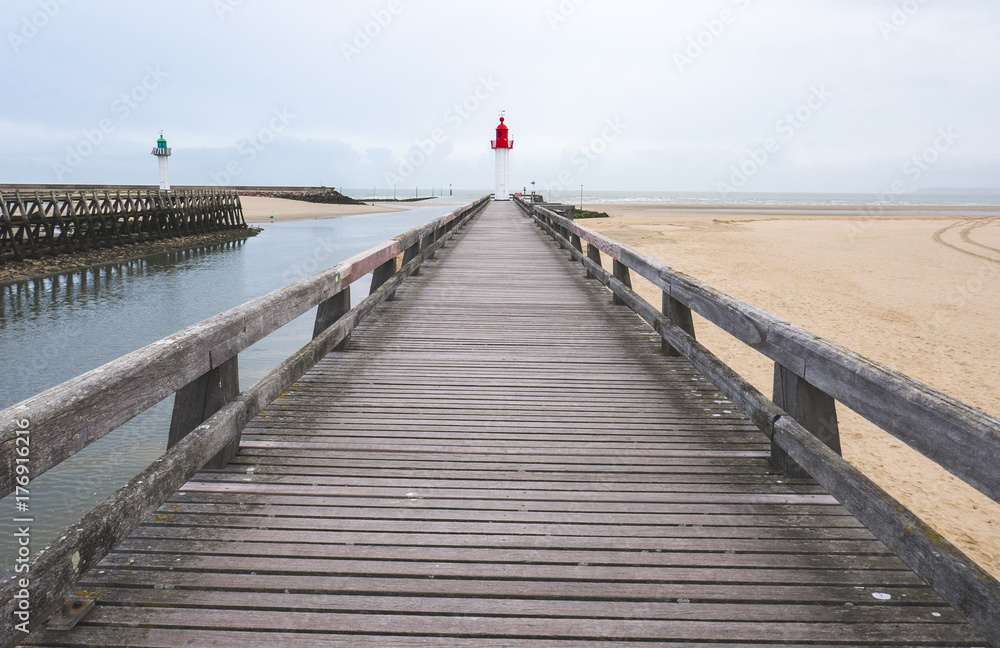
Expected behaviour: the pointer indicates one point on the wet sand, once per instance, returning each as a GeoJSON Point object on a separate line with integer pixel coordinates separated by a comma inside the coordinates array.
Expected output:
{"type": "Point", "coordinates": [259, 210]}
{"type": "Point", "coordinates": [917, 289]}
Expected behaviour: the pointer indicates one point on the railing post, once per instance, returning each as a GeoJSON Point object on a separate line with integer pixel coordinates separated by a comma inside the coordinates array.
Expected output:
{"type": "Point", "coordinates": [594, 254]}
{"type": "Point", "coordinates": [410, 254]}
{"type": "Point", "coordinates": [621, 274]}
{"type": "Point", "coordinates": [382, 274]}
{"type": "Point", "coordinates": [814, 410]}
{"type": "Point", "coordinates": [332, 310]}
{"type": "Point", "coordinates": [427, 241]}
{"type": "Point", "coordinates": [680, 315]}
{"type": "Point", "coordinates": [197, 401]}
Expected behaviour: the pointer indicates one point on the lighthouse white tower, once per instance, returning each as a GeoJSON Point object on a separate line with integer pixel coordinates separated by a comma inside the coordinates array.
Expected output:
{"type": "Point", "coordinates": [162, 153]}
{"type": "Point", "coordinates": [502, 145]}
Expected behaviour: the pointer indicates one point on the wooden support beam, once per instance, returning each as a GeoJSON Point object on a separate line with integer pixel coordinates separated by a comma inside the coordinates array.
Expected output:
{"type": "Point", "coordinates": [680, 316]}
{"type": "Point", "coordinates": [594, 254]}
{"type": "Point", "coordinates": [8, 228]}
{"type": "Point", "coordinates": [26, 215]}
{"type": "Point", "coordinates": [382, 274]}
{"type": "Point", "coordinates": [812, 408]}
{"type": "Point", "coordinates": [332, 310]}
{"type": "Point", "coordinates": [410, 254]}
{"type": "Point", "coordinates": [199, 400]}
{"type": "Point", "coordinates": [427, 241]}
{"type": "Point", "coordinates": [621, 273]}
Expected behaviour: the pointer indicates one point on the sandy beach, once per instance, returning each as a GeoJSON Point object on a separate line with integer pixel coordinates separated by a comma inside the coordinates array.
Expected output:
{"type": "Point", "coordinates": [915, 289]}
{"type": "Point", "coordinates": [259, 210]}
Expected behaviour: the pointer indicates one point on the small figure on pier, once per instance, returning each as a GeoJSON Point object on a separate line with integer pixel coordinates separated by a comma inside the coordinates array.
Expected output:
{"type": "Point", "coordinates": [162, 152]}
{"type": "Point", "coordinates": [502, 145]}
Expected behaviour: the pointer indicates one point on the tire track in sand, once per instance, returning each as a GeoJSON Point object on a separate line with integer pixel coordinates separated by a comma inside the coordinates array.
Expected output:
{"type": "Point", "coordinates": [964, 242]}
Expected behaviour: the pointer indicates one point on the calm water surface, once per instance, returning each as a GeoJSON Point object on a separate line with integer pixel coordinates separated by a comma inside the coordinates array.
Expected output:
{"type": "Point", "coordinates": [55, 328]}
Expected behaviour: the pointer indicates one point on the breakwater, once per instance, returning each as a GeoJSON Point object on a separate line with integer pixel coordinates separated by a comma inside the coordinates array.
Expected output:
{"type": "Point", "coordinates": [44, 222]}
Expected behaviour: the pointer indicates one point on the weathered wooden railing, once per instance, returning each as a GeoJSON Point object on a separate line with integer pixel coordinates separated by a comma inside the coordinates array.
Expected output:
{"type": "Point", "coordinates": [36, 223]}
{"type": "Point", "coordinates": [199, 365]}
{"type": "Point", "coordinates": [811, 375]}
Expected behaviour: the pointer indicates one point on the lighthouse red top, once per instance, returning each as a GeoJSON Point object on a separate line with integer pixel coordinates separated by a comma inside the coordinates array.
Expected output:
{"type": "Point", "coordinates": [501, 142]}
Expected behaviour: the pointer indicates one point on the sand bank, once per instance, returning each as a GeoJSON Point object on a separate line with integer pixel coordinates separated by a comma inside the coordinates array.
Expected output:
{"type": "Point", "coordinates": [259, 210]}
{"type": "Point", "coordinates": [915, 289]}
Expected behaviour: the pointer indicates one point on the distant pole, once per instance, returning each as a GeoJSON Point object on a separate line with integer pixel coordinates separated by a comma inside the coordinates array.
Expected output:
{"type": "Point", "coordinates": [581, 197]}
{"type": "Point", "coordinates": [449, 190]}
{"type": "Point", "coordinates": [393, 192]}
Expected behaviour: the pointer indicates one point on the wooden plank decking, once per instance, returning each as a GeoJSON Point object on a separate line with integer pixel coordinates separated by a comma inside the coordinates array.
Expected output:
{"type": "Point", "coordinates": [504, 458]}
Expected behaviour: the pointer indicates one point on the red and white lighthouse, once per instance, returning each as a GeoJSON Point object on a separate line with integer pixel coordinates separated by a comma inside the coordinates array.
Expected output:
{"type": "Point", "coordinates": [502, 145]}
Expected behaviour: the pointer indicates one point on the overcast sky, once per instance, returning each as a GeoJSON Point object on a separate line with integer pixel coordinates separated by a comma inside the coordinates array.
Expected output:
{"type": "Point", "coordinates": [755, 95]}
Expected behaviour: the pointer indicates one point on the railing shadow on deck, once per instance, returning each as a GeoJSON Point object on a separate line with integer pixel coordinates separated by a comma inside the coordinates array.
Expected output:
{"type": "Point", "coordinates": [200, 366]}
{"type": "Point", "coordinates": [811, 375]}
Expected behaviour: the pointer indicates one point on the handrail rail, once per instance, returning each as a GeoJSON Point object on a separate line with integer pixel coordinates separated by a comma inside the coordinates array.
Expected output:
{"type": "Point", "coordinates": [797, 431]}
{"type": "Point", "coordinates": [84, 408]}
{"type": "Point", "coordinates": [961, 438]}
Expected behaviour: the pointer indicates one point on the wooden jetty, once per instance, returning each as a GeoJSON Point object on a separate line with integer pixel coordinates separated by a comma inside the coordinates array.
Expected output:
{"type": "Point", "coordinates": [492, 451]}
{"type": "Point", "coordinates": [38, 223]}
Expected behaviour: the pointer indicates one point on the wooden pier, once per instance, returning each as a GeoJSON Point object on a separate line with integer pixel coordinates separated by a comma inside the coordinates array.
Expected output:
{"type": "Point", "coordinates": [37, 223]}
{"type": "Point", "coordinates": [500, 455]}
